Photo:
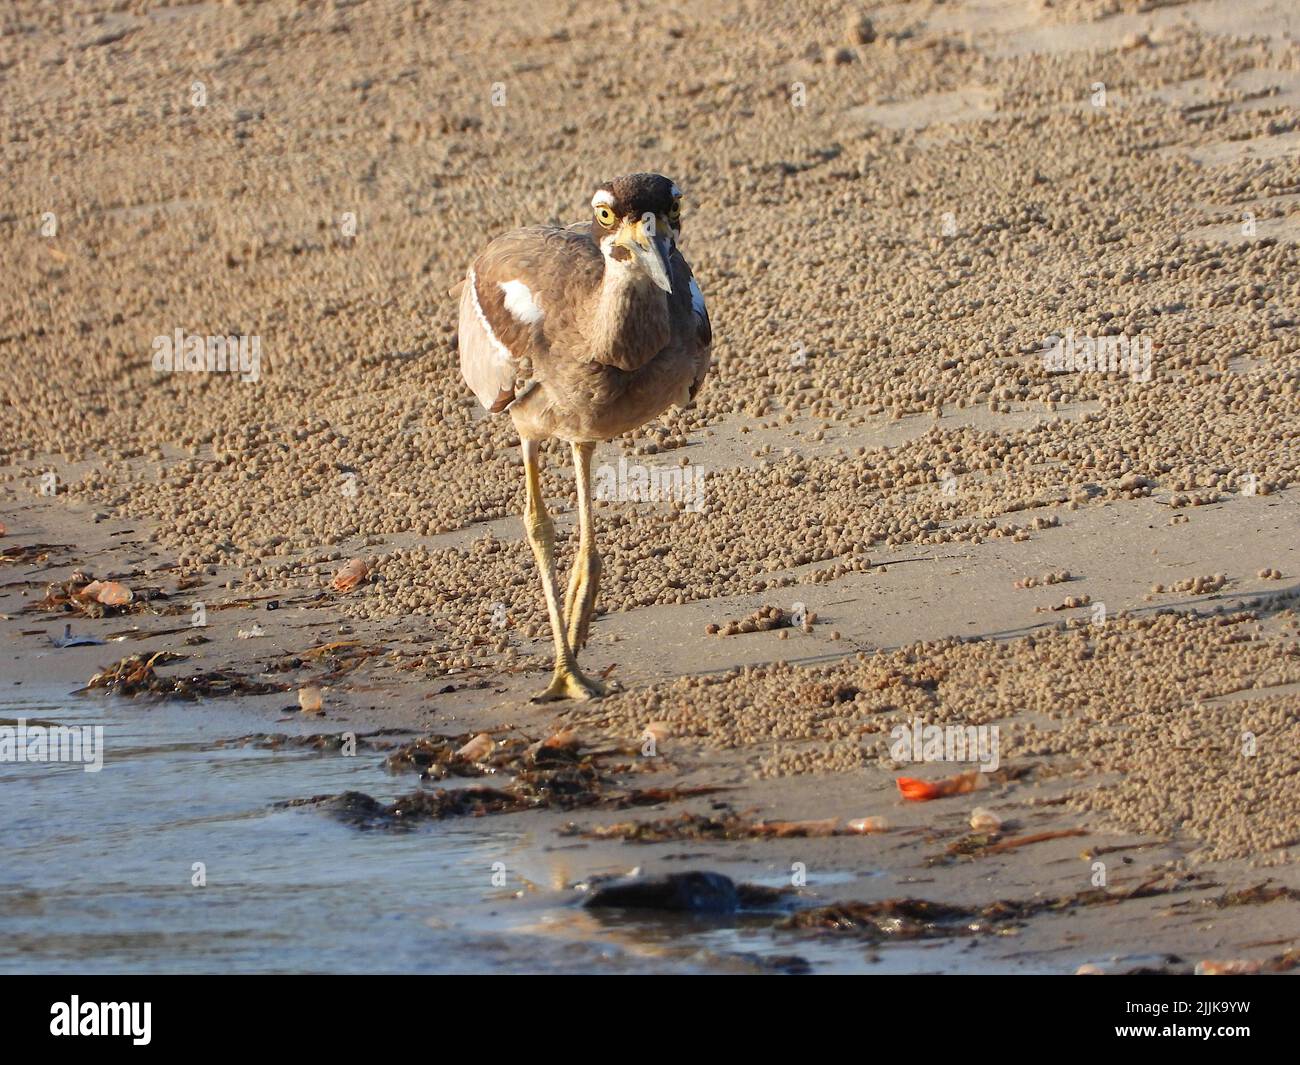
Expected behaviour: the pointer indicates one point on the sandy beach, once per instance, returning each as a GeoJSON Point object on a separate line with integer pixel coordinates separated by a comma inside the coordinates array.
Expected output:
{"type": "Point", "coordinates": [1004, 414]}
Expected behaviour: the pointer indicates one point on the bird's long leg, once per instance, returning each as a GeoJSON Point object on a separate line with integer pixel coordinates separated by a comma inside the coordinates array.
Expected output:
{"type": "Point", "coordinates": [567, 681]}
{"type": "Point", "coordinates": [585, 581]}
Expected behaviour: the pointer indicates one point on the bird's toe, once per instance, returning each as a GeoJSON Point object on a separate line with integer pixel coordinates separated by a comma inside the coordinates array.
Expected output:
{"type": "Point", "coordinates": [570, 684]}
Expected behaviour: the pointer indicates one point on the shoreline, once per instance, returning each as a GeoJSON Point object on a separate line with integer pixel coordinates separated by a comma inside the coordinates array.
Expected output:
{"type": "Point", "coordinates": [897, 863]}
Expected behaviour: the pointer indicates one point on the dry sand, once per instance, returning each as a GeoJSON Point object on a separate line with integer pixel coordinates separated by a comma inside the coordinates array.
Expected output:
{"type": "Point", "coordinates": [879, 439]}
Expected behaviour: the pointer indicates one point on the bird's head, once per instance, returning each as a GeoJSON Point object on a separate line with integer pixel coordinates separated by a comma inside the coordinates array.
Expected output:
{"type": "Point", "coordinates": [636, 221]}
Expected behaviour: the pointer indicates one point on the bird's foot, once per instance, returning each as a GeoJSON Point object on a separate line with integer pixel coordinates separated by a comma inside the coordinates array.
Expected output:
{"type": "Point", "coordinates": [570, 684]}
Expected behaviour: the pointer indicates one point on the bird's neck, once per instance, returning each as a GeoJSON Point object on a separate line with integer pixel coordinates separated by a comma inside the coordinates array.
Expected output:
{"type": "Point", "coordinates": [630, 323]}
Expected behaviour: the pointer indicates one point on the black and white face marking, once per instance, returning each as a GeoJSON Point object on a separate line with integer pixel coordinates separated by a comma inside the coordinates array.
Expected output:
{"type": "Point", "coordinates": [636, 221]}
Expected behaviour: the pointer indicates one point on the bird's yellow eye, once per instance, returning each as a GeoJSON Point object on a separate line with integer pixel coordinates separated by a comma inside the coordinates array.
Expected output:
{"type": "Point", "coordinates": [675, 211]}
{"type": "Point", "coordinates": [604, 215]}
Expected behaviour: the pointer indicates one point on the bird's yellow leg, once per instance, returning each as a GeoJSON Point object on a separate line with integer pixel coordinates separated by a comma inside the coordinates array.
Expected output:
{"type": "Point", "coordinates": [567, 681]}
{"type": "Point", "coordinates": [585, 581]}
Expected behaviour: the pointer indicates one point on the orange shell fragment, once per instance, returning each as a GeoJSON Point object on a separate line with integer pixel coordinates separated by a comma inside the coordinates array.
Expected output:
{"type": "Point", "coordinates": [110, 593]}
{"type": "Point", "coordinates": [924, 790]}
{"type": "Point", "coordinates": [352, 573]}
{"type": "Point", "coordinates": [478, 748]}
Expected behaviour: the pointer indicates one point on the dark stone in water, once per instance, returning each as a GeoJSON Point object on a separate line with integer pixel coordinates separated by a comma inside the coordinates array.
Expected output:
{"type": "Point", "coordinates": [360, 810]}
{"type": "Point", "coordinates": [356, 805]}
{"type": "Point", "coordinates": [681, 892]}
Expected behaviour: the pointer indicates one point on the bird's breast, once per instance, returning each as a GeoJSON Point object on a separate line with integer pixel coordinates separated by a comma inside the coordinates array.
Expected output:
{"type": "Point", "coordinates": [629, 323]}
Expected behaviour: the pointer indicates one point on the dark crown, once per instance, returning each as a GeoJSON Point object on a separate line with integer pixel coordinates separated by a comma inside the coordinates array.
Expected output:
{"type": "Point", "coordinates": [634, 194]}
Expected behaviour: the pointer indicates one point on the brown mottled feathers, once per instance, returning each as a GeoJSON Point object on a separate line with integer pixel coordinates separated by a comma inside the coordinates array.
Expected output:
{"type": "Point", "coordinates": [558, 267]}
{"type": "Point", "coordinates": [528, 324]}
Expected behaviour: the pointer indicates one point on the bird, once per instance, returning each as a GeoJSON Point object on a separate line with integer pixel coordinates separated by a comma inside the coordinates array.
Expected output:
{"type": "Point", "coordinates": [583, 333]}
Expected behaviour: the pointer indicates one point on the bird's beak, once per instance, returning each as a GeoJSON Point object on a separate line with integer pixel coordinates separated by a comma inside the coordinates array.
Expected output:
{"type": "Point", "coordinates": [648, 248]}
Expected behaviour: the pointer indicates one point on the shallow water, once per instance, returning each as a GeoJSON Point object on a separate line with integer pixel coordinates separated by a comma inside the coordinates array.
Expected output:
{"type": "Point", "coordinates": [96, 870]}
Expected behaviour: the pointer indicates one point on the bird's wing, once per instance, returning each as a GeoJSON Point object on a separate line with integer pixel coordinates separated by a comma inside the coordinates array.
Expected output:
{"type": "Point", "coordinates": [699, 330]}
{"type": "Point", "coordinates": [518, 281]}
{"type": "Point", "coordinates": [703, 327]}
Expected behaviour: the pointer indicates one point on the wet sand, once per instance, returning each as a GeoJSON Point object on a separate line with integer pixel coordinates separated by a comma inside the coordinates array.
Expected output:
{"type": "Point", "coordinates": [879, 439]}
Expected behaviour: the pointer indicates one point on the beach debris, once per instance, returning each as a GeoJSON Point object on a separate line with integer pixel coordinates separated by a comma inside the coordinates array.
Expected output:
{"type": "Point", "coordinates": [1096, 851]}
{"type": "Point", "coordinates": [337, 659]}
{"type": "Point", "coordinates": [565, 740]}
{"type": "Point", "coordinates": [532, 791]}
{"type": "Point", "coordinates": [1279, 963]}
{"type": "Point", "coordinates": [136, 675]}
{"type": "Point", "coordinates": [968, 846]}
{"type": "Point", "coordinates": [1260, 893]}
{"type": "Point", "coordinates": [310, 699]}
{"type": "Point", "coordinates": [909, 918]}
{"type": "Point", "coordinates": [879, 921]}
{"type": "Point", "coordinates": [686, 826]}
{"type": "Point", "coordinates": [689, 892]}
{"type": "Point", "coordinates": [727, 825]}
{"type": "Point", "coordinates": [350, 574]}
{"type": "Point", "coordinates": [133, 675]}
{"type": "Point", "coordinates": [69, 640]}
{"type": "Point", "coordinates": [1134, 965]}
{"type": "Point", "coordinates": [333, 649]}
{"type": "Point", "coordinates": [914, 790]}
{"type": "Point", "coordinates": [319, 741]}
{"type": "Point", "coordinates": [553, 773]}
{"type": "Point", "coordinates": [82, 594]}
{"type": "Point", "coordinates": [477, 749]}
{"type": "Point", "coordinates": [256, 632]}
{"type": "Point", "coordinates": [27, 553]}
{"type": "Point", "coordinates": [983, 819]}
{"type": "Point", "coordinates": [438, 757]}
{"type": "Point", "coordinates": [4, 531]}
{"type": "Point", "coordinates": [895, 919]}
{"type": "Point", "coordinates": [786, 829]}
{"type": "Point", "coordinates": [982, 843]}
{"type": "Point", "coordinates": [1234, 967]}
{"type": "Point", "coordinates": [538, 790]}
{"type": "Point", "coordinates": [478, 754]}
{"type": "Point", "coordinates": [110, 593]}
{"type": "Point", "coordinates": [363, 811]}
{"type": "Point", "coordinates": [1036, 837]}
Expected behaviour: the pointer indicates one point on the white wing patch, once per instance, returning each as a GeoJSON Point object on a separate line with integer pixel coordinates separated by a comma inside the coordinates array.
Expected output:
{"type": "Point", "coordinates": [697, 301]}
{"type": "Point", "coordinates": [485, 363]}
{"type": "Point", "coordinates": [520, 303]}
{"type": "Point", "coordinates": [497, 346]}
